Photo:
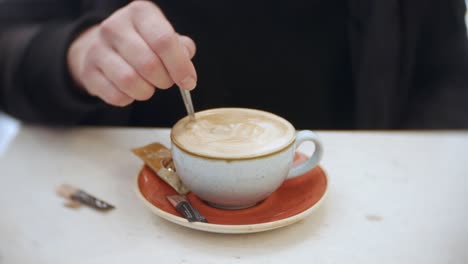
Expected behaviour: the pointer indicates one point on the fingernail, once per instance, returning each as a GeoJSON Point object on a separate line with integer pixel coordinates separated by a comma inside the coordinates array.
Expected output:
{"type": "Point", "coordinates": [188, 83]}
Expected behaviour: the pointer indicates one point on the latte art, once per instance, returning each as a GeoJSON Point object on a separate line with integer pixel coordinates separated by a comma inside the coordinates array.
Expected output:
{"type": "Point", "coordinates": [233, 133]}
{"type": "Point", "coordinates": [238, 133]}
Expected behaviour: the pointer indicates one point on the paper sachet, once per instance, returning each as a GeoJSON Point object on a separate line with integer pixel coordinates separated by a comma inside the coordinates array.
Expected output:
{"type": "Point", "coordinates": [158, 158]}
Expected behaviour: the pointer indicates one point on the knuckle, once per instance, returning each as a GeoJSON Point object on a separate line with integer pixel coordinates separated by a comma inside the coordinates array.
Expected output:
{"type": "Point", "coordinates": [117, 99]}
{"type": "Point", "coordinates": [95, 48]}
{"type": "Point", "coordinates": [125, 102]}
{"type": "Point", "coordinates": [108, 28]}
{"type": "Point", "coordinates": [134, 5]}
{"type": "Point", "coordinates": [189, 45]}
{"type": "Point", "coordinates": [86, 72]}
{"type": "Point", "coordinates": [164, 41]}
{"type": "Point", "coordinates": [128, 79]}
{"type": "Point", "coordinates": [149, 66]}
{"type": "Point", "coordinates": [93, 89]}
{"type": "Point", "coordinates": [147, 94]}
{"type": "Point", "coordinates": [165, 84]}
{"type": "Point", "coordinates": [155, 73]}
{"type": "Point", "coordinates": [139, 6]}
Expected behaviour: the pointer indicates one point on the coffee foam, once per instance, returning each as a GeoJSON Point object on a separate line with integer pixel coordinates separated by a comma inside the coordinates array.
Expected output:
{"type": "Point", "coordinates": [233, 133]}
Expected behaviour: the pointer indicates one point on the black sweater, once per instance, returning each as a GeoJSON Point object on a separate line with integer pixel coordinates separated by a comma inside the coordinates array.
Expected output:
{"type": "Point", "coordinates": [326, 64]}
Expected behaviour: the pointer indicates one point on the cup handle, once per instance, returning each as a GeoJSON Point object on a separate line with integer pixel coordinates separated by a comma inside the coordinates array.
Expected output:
{"type": "Point", "coordinates": [301, 136]}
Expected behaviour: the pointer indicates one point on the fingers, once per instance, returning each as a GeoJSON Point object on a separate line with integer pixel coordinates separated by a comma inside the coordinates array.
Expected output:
{"type": "Point", "coordinates": [124, 76]}
{"type": "Point", "coordinates": [130, 53]}
{"type": "Point", "coordinates": [189, 46]}
{"type": "Point", "coordinates": [134, 50]}
{"type": "Point", "coordinates": [163, 41]}
{"type": "Point", "coordinates": [98, 85]}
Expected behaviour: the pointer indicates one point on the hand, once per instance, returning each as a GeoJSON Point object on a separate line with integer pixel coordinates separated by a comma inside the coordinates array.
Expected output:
{"type": "Point", "coordinates": [129, 54]}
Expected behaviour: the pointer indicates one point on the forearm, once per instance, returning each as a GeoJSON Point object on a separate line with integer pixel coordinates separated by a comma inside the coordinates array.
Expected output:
{"type": "Point", "coordinates": [14, 42]}
{"type": "Point", "coordinates": [35, 85]}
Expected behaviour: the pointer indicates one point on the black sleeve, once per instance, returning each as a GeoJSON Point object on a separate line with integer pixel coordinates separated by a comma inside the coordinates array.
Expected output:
{"type": "Point", "coordinates": [35, 85]}
{"type": "Point", "coordinates": [440, 98]}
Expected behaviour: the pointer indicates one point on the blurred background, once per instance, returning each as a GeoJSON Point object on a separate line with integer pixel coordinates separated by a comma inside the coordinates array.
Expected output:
{"type": "Point", "coordinates": [9, 126]}
{"type": "Point", "coordinates": [8, 129]}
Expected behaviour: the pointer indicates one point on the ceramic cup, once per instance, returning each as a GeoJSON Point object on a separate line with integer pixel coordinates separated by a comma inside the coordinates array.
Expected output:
{"type": "Point", "coordinates": [241, 182]}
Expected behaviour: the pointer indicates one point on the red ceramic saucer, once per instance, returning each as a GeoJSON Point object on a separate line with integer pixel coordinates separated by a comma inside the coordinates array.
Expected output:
{"type": "Point", "coordinates": [294, 200]}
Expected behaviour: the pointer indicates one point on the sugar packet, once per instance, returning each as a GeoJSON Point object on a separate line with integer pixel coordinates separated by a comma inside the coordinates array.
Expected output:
{"type": "Point", "coordinates": [158, 158]}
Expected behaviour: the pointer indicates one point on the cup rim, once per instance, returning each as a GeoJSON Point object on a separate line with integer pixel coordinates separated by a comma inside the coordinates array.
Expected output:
{"type": "Point", "coordinates": [233, 158]}
{"type": "Point", "coordinates": [247, 157]}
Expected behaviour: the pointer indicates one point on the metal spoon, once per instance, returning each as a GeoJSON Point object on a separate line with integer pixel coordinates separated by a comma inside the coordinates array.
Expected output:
{"type": "Point", "coordinates": [188, 103]}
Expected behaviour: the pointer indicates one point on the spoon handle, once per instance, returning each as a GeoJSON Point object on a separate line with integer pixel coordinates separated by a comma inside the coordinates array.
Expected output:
{"type": "Point", "coordinates": [188, 103]}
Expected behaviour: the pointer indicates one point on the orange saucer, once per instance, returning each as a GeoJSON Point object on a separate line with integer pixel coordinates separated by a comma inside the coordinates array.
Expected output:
{"type": "Point", "coordinates": [294, 200]}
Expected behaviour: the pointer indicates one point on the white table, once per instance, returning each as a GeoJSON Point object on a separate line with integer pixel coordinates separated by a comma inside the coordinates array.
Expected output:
{"type": "Point", "coordinates": [394, 198]}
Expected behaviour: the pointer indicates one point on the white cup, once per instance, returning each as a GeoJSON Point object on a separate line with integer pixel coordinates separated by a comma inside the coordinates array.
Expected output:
{"type": "Point", "coordinates": [242, 182]}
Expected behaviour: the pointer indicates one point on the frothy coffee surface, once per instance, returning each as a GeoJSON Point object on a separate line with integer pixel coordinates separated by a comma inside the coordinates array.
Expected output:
{"type": "Point", "coordinates": [233, 133]}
